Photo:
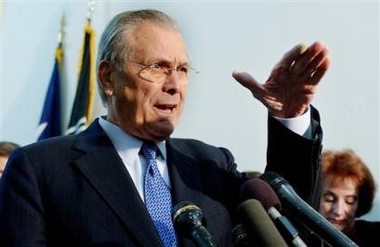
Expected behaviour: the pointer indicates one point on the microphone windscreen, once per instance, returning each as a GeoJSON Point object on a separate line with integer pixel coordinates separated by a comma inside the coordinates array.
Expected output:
{"type": "Point", "coordinates": [260, 190]}
{"type": "Point", "coordinates": [258, 225]}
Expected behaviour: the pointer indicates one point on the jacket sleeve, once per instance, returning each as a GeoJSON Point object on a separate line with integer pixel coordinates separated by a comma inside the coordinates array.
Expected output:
{"type": "Point", "coordinates": [296, 158]}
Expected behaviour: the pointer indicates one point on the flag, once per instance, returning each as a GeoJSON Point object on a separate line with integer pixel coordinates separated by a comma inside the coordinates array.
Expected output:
{"type": "Point", "coordinates": [81, 114]}
{"type": "Point", "coordinates": [50, 122]}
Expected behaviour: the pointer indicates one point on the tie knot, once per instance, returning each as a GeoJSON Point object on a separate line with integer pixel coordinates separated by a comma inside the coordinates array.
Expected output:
{"type": "Point", "coordinates": [149, 150]}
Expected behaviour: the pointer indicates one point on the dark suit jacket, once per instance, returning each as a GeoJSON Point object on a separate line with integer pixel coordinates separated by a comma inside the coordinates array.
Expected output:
{"type": "Point", "coordinates": [75, 191]}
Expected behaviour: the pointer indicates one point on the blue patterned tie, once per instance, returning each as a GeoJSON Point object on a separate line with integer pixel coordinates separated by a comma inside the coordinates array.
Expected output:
{"type": "Point", "coordinates": [157, 197]}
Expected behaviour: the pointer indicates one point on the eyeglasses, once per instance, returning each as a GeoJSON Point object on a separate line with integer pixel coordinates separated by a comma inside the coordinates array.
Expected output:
{"type": "Point", "coordinates": [158, 71]}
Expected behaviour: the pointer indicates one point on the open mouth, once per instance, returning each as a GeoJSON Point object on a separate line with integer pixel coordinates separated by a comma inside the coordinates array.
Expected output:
{"type": "Point", "coordinates": [166, 108]}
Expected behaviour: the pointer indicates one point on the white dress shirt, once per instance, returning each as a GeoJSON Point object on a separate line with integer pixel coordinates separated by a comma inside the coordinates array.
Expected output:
{"type": "Point", "coordinates": [128, 148]}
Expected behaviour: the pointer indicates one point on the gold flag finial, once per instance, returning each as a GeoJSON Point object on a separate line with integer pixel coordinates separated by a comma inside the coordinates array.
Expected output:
{"type": "Point", "coordinates": [61, 32]}
{"type": "Point", "coordinates": [91, 9]}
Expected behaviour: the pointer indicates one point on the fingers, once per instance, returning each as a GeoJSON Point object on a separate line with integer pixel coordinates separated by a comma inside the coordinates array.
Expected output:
{"type": "Point", "coordinates": [292, 55]}
{"type": "Point", "coordinates": [320, 72]}
{"type": "Point", "coordinates": [296, 60]}
{"type": "Point", "coordinates": [309, 62]}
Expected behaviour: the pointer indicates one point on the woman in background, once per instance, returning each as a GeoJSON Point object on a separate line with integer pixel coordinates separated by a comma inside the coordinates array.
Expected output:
{"type": "Point", "coordinates": [348, 190]}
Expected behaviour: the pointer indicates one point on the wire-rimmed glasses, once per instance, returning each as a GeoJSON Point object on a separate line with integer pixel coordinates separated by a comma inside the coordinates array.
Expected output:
{"type": "Point", "coordinates": [157, 72]}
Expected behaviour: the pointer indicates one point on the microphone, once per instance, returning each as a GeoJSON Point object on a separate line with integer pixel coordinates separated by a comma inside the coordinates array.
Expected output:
{"type": "Point", "coordinates": [240, 237]}
{"type": "Point", "coordinates": [258, 225]}
{"type": "Point", "coordinates": [258, 189]}
{"type": "Point", "coordinates": [188, 220]}
{"type": "Point", "coordinates": [305, 213]}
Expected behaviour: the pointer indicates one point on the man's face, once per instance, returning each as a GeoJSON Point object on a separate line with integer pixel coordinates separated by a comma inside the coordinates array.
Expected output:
{"type": "Point", "coordinates": [149, 109]}
{"type": "Point", "coordinates": [339, 203]}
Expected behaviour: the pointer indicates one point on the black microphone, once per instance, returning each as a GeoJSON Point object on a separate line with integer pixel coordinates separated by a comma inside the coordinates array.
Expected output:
{"type": "Point", "coordinates": [240, 237]}
{"type": "Point", "coordinates": [258, 225]}
{"type": "Point", "coordinates": [258, 189]}
{"type": "Point", "coordinates": [188, 220]}
{"type": "Point", "coordinates": [311, 219]}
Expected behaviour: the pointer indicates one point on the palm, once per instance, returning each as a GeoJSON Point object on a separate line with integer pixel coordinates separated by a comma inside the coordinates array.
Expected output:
{"type": "Point", "coordinates": [292, 83]}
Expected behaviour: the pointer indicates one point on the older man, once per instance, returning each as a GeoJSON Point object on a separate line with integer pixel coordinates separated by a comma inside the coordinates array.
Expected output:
{"type": "Point", "coordinates": [103, 187]}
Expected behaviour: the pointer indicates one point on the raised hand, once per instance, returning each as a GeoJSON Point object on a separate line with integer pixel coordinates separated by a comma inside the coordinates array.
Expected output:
{"type": "Point", "coordinates": [293, 81]}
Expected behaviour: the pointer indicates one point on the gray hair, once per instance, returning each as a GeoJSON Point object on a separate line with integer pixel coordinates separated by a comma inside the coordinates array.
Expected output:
{"type": "Point", "coordinates": [112, 45]}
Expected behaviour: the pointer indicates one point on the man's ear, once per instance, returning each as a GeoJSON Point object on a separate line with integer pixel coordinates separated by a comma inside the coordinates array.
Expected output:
{"type": "Point", "coordinates": [105, 70]}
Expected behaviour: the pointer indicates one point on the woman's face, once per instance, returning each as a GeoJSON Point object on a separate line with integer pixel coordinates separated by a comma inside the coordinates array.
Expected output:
{"type": "Point", "coordinates": [339, 202]}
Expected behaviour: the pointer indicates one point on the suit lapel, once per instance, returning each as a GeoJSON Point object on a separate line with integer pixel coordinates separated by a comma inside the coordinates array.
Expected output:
{"type": "Point", "coordinates": [103, 168]}
{"type": "Point", "coordinates": [185, 175]}
{"type": "Point", "coordinates": [185, 179]}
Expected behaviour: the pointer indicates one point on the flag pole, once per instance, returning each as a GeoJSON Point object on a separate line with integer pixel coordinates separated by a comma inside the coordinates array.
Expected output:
{"type": "Point", "coordinates": [91, 96]}
{"type": "Point", "coordinates": [91, 9]}
{"type": "Point", "coordinates": [60, 38]}
{"type": "Point", "coordinates": [81, 114]}
{"type": "Point", "coordinates": [61, 32]}
{"type": "Point", "coordinates": [50, 120]}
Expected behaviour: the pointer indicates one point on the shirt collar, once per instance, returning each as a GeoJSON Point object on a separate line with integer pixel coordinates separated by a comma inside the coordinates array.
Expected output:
{"type": "Point", "coordinates": [126, 145]}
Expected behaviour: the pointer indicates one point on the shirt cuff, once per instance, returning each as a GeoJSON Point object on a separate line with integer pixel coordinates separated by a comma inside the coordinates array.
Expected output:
{"type": "Point", "coordinates": [300, 125]}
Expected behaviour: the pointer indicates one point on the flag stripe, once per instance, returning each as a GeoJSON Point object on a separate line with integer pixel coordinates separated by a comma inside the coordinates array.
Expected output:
{"type": "Point", "coordinates": [50, 121]}
{"type": "Point", "coordinates": [84, 97]}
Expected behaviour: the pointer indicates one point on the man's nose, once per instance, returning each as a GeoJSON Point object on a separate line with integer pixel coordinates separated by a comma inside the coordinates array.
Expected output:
{"type": "Point", "coordinates": [173, 81]}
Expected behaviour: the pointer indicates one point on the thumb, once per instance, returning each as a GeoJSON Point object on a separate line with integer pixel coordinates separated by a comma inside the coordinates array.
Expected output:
{"type": "Point", "coordinates": [246, 80]}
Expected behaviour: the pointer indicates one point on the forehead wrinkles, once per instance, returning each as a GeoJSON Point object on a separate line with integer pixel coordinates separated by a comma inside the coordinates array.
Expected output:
{"type": "Point", "coordinates": [149, 41]}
